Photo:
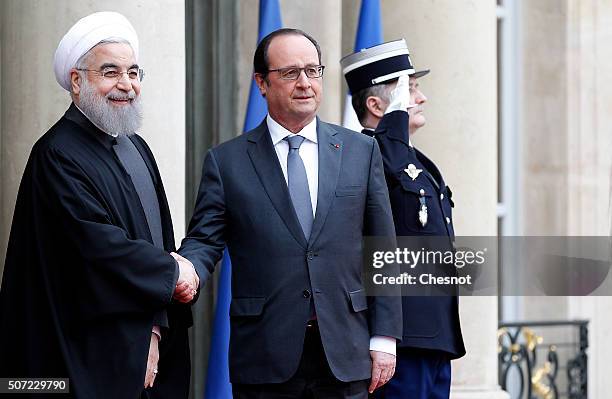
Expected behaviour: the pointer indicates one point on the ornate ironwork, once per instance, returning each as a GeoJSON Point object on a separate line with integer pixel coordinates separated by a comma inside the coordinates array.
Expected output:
{"type": "Point", "coordinates": [577, 368]}
{"type": "Point", "coordinates": [520, 346]}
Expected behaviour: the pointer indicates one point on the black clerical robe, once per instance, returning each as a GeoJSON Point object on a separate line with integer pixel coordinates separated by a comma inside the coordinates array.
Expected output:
{"type": "Point", "coordinates": [82, 279]}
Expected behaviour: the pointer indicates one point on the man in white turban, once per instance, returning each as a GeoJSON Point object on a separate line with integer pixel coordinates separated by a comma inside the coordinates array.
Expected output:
{"type": "Point", "coordinates": [91, 289]}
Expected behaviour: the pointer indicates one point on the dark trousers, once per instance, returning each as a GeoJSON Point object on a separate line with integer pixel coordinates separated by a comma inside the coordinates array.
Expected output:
{"type": "Point", "coordinates": [313, 378]}
{"type": "Point", "coordinates": [419, 374]}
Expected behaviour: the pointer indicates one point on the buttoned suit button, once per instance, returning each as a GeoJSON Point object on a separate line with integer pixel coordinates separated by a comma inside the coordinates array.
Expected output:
{"type": "Point", "coordinates": [306, 294]}
{"type": "Point", "coordinates": [441, 196]}
{"type": "Point", "coordinates": [448, 220]}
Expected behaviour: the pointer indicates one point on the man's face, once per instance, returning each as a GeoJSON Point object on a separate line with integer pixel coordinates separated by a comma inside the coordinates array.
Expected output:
{"type": "Point", "coordinates": [417, 118]}
{"type": "Point", "coordinates": [110, 102]}
{"type": "Point", "coordinates": [292, 103]}
{"type": "Point", "coordinates": [113, 57]}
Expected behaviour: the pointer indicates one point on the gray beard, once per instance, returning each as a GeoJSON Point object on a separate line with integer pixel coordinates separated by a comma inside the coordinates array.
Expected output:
{"type": "Point", "coordinates": [124, 121]}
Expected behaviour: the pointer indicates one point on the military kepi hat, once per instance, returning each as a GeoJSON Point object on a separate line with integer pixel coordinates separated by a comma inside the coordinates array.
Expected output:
{"type": "Point", "coordinates": [378, 64]}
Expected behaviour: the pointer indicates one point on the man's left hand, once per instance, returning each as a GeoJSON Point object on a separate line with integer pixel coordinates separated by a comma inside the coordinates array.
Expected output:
{"type": "Point", "coordinates": [383, 368]}
{"type": "Point", "coordinates": [152, 361]}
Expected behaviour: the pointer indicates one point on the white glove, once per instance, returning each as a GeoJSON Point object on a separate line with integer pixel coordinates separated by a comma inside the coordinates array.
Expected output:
{"type": "Point", "coordinates": [400, 96]}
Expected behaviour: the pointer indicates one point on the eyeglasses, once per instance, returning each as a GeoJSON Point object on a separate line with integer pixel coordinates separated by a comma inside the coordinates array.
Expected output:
{"type": "Point", "coordinates": [293, 73]}
{"type": "Point", "coordinates": [132, 74]}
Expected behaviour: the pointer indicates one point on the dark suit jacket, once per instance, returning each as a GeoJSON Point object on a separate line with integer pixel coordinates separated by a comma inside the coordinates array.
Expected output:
{"type": "Point", "coordinates": [430, 322]}
{"type": "Point", "coordinates": [277, 275]}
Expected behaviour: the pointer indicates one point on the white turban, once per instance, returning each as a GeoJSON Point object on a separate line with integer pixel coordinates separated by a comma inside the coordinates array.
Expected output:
{"type": "Point", "coordinates": [84, 35]}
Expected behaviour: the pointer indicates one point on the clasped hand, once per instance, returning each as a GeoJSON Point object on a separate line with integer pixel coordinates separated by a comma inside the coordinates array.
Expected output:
{"type": "Point", "coordinates": [188, 281]}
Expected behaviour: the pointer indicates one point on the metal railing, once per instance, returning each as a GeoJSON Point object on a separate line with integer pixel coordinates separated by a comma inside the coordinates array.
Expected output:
{"type": "Point", "coordinates": [543, 359]}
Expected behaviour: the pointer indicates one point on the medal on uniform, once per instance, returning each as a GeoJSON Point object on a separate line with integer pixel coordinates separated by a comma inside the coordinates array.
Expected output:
{"type": "Point", "coordinates": [412, 171]}
{"type": "Point", "coordinates": [423, 208]}
{"type": "Point", "coordinates": [423, 215]}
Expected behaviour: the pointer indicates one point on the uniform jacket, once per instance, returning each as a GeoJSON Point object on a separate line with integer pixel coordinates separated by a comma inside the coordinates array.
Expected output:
{"type": "Point", "coordinates": [430, 322]}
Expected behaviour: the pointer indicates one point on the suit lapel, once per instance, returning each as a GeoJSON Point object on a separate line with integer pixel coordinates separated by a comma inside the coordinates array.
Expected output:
{"type": "Point", "coordinates": [330, 157]}
{"type": "Point", "coordinates": [265, 161]}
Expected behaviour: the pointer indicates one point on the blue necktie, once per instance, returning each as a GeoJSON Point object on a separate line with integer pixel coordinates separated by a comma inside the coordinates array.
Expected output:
{"type": "Point", "coordinates": [298, 184]}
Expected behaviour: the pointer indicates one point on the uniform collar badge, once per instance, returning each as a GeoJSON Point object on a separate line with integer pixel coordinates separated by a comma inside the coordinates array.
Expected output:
{"type": "Point", "coordinates": [412, 171]}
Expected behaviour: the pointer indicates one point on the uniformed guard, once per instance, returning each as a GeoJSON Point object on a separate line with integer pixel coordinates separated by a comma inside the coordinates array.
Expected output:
{"type": "Point", "coordinates": [389, 105]}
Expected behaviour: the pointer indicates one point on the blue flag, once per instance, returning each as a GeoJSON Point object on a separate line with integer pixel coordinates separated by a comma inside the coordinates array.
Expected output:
{"type": "Point", "coordinates": [369, 33]}
{"type": "Point", "coordinates": [217, 377]}
{"type": "Point", "coordinates": [269, 21]}
{"type": "Point", "coordinates": [369, 29]}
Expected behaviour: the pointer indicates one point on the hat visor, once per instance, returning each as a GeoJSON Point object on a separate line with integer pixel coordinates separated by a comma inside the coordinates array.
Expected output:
{"type": "Point", "coordinates": [419, 74]}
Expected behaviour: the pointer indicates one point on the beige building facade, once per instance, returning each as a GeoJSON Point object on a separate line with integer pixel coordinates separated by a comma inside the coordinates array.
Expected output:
{"type": "Point", "coordinates": [566, 167]}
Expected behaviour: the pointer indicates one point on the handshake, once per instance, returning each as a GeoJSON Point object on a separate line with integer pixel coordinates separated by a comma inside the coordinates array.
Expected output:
{"type": "Point", "coordinates": [188, 281]}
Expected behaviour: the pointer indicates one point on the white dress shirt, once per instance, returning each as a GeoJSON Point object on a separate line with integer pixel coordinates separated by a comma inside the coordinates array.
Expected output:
{"type": "Point", "coordinates": [309, 152]}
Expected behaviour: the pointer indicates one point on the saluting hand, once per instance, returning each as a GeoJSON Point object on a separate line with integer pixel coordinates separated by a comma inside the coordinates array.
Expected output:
{"type": "Point", "coordinates": [188, 281]}
{"type": "Point", "coordinates": [400, 95]}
